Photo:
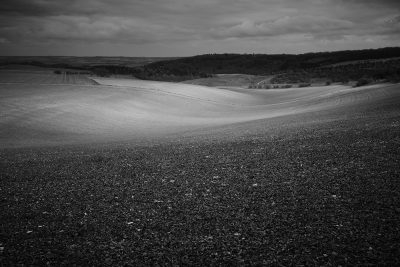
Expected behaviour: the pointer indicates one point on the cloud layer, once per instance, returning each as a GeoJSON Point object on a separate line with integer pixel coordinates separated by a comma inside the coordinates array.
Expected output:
{"type": "Point", "coordinates": [183, 27]}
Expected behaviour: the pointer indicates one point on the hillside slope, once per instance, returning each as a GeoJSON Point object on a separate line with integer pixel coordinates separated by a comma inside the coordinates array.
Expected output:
{"type": "Point", "coordinates": [125, 109]}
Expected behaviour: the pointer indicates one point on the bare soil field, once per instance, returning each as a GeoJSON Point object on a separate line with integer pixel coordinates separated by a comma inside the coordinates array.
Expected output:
{"type": "Point", "coordinates": [134, 172]}
{"type": "Point", "coordinates": [47, 112]}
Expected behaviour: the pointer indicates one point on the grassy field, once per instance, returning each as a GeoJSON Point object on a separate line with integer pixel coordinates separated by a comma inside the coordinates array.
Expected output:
{"type": "Point", "coordinates": [81, 61]}
{"type": "Point", "coordinates": [148, 173]}
{"type": "Point", "coordinates": [39, 76]}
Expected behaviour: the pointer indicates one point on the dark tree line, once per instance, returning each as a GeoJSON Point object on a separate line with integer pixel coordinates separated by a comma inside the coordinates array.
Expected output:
{"type": "Point", "coordinates": [388, 70]}
{"type": "Point", "coordinates": [256, 64]}
{"type": "Point", "coordinates": [286, 68]}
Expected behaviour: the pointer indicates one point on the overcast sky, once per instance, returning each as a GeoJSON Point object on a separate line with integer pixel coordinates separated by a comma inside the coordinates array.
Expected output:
{"type": "Point", "coordinates": [191, 27]}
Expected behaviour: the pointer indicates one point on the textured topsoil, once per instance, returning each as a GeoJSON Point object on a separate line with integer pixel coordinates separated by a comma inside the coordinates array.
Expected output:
{"type": "Point", "coordinates": [312, 189]}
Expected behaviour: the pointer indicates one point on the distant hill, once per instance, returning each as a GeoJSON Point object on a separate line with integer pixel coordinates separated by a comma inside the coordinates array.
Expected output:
{"type": "Point", "coordinates": [259, 64]}
{"type": "Point", "coordinates": [341, 66]}
{"type": "Point", "coordinates": [80, 62]}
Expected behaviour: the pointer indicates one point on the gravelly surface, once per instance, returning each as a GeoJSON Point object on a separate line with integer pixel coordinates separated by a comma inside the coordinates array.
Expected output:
{"type": "Point", "coordinates": [311, 189]}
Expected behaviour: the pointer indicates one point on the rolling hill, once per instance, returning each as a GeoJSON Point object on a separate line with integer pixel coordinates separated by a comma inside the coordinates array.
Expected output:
{"type": "Point", "coordinates": [70, 111]}
{"type": "Point", "coordinates": [327, 63]}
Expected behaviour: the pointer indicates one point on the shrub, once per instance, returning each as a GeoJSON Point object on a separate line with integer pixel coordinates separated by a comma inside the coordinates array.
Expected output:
{"type": "Point", "coordinates": [101, 72]}
{"type": "Point", "coordinates": [395, 78]}
{"type": "Point", "coordinates": [304, 85]}
{"type": "Point", "coordinates": [362, 82]}
{"type": "Point", "coordinates": [57, 72]}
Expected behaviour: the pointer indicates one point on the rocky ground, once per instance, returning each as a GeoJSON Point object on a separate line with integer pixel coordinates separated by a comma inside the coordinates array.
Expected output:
{"type": "Point", "coordinates": [311, 189]}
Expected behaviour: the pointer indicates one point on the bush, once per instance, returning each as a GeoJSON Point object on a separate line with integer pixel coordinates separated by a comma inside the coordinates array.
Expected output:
{"type": "Point", "coordinates": [304, 85]}
{"type": "Point", "coordinates": [362, 82]}
{"type": "Point", "coordinates": [101, 72]}
{"type": "Point", "coordinates": [57, 72]}
{"type": "Point", "coordinates": [394, 78]}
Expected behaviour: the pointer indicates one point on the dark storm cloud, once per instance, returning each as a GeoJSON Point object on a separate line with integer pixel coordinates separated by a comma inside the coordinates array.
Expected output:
{"type": "Point", "coordinates": [37, 7]}
{"type": "Point", "coordinates": [386, 3]}
{"type": "Point", "coordinates": [56, 7]}
{"type": "Point", "coordinates": [174, 23]}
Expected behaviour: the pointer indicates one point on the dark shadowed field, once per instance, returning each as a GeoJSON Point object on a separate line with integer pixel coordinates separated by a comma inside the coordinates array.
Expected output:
{"type": "Point", "coordinates": [308, 180]}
